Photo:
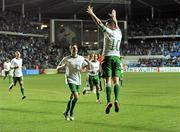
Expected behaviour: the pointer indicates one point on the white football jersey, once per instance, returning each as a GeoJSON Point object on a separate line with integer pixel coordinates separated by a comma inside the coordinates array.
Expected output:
{"type": "Point", "coordinates": [73, 67]}
{"type": "Point", "coordinates": [112, 41]}
{"type": "Point", "coordinates": [94, 68]}
{"type": "Point", "coordinates": [7, 66]}
{"type": "Point", "coordinates": [17, 63]}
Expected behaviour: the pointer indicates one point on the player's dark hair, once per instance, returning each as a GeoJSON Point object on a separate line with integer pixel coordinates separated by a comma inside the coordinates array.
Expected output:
{"type": "Point", "coordinates": [109, 21]}
{"type": "Point", "coordinates": [71, 46]}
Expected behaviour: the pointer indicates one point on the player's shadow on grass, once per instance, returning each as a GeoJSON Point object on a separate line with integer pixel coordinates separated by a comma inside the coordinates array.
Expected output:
{"type": "Point", "coordinates": [27, 111]}
{"type": "Point", "coordinates": [48, 101]}
{"type": "Point", "coordinates": [86, 102]}
{"type": "Point", "coordinates": [154, 106]}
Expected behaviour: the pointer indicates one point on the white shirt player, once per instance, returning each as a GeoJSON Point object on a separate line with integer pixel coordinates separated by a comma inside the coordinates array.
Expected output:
{"type": "Point", "coordinates": [112, 41]}
{"type": "Point", "coordinates": [94, 68]}
{"type": "Point", "coordinates": [17, 63]}
{"type": "Point", "coordinates": [7, 66]}
{"type": "Point", "coordinates": [73, 68]}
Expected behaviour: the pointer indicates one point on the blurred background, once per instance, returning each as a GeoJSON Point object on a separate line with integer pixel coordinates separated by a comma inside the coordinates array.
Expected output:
{"type": "Point", "coordinates": [43, 30]}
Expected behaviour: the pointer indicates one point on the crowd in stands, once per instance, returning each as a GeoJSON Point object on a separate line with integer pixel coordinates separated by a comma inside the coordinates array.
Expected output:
{"type": "Point", "coordinates": [151, 48]}
{"type": "Point", "coordinates": [38, 52]}
{"type": "Point", "coordinates": [169, 50]}
{"type": "Point", "coordinates": [35, 51]}
{"type": "Point", "coordinates": [142, 49]}
{"type": "Point", "coordinates": [14, 22]}
{"type": "Point", "coordinates": [153, 27]}
{"type": "Point", "coordinates": [159, 62]}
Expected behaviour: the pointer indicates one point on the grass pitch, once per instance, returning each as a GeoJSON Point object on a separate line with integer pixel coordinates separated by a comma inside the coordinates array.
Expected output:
{"type": "Point", "coordinates": [149, 102]}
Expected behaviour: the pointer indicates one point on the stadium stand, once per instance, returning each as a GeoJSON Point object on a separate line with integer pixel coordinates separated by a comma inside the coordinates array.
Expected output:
{"type": "Point", "coordinates": [149, 27]}
{"type": "Point", "coordinates": [38, 51]}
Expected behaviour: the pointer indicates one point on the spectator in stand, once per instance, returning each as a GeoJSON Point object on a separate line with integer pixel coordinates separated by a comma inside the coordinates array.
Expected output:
{"type": "Point", "coordinates": [14, 22]}
{"type": "Point", "coordinates": [154, 27]}
{"type": "Point", "coordinates": [35, 51]}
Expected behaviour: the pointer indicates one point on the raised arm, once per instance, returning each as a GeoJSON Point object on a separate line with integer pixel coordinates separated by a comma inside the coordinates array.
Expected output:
{"type": "Point", "coordinates": [113, 16]}
{"type": "Point", "coordinates": [93, 16]}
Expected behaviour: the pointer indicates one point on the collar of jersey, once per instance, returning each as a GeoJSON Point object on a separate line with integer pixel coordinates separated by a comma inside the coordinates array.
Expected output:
{"type": "Point", "coordinates": [74, 56]}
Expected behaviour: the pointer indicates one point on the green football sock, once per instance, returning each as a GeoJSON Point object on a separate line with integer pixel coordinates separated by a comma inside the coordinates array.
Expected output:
{"type": "Point", "coordinates": [100, 85]}
{"type": "Point", "coordinates": [121, 82]}
{"type": "Point", "coordinates": [68, 106]}
{"type": "Point", "coordinates": [108, 94]}
{"type": "Point", "coordinates": [9, 79]}
{"type": "Point", "coordinates": [116, 91]}
{"type": "Point", "coordinates": [11, 86]}
{"type": "Point", "coordinates": [22, 91]}
{"type": "Point", "coordinates": [72, 106]}
{"type": "Point", "coordinates": [4, 77]}
{"type": "Point", "coordinates": [97, 95]}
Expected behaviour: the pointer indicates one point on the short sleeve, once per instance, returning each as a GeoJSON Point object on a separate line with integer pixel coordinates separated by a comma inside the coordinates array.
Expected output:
{"type": "Point", "coordinates": [12, 64]}
{"type": "Point", "coordinates": [105, 29]}
{"type": "Point", "coordinates": [84, 63]}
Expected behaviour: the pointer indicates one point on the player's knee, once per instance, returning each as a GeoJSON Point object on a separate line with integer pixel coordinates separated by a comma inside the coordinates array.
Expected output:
{"type": "Point", "coordinates": [116, 84]}
{"type": "Point", "coordinates": [97, 88]}
{"type": "Point", "coordinates": [76, 96]}
{"type": "Point", "coordinates": [116, 80]}
{"type": "Point", "coordinates": [21, 84]}
{"type": "Point", "coordinates": [108, 84]}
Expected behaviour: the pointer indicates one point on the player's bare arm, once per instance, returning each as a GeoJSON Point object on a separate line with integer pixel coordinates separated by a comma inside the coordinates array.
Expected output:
{"type": "Point", "coordinates": [60, 66]}
{"type": "Point", "coordinates": [88, 62]}
{"type": "Point", "coordinates": [113, 16]}
{"type": "Point", "coordinates": [93, 16]}
{"type": "Point", "coordinates": [87, 66]}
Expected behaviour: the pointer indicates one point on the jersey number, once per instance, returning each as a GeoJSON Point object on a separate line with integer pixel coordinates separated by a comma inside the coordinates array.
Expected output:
{"type": "Point", "coordinates": [115, 45]}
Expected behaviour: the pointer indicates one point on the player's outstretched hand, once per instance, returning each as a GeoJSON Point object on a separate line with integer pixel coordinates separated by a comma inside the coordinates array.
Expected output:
{"type": "Point", "coordinates": [113, 14]}
{"type": "Point", "coordinates": [89, 9]}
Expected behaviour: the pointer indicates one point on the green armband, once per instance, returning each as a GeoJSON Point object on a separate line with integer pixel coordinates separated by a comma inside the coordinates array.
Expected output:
{"type": "Point", "coordinates": [103, 29]}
